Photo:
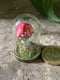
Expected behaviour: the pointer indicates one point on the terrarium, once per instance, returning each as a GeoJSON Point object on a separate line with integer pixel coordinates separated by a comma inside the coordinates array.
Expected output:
{"type": "Point", "coordinates": [25, 27]}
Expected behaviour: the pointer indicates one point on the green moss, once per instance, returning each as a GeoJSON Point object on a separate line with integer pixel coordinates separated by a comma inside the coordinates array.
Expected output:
{"type": "Point", "coordinates": [28, 53]}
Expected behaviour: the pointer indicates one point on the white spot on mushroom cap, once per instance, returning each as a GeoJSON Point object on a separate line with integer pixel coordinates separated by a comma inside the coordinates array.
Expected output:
{"type": "Point", "coordinates": [18, 31]}
{"type": "Point", "coordinates": [17, 35]}
{"type": "Point", "coordinates": [22, 35]}
{"type": "Point", "coordinates": [25, 32]}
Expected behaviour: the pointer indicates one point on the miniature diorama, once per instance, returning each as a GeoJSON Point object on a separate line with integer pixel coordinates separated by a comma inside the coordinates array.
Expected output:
{"type": "Point", "coordinates": [26, 27]}
{"type": "Point", "coordinates": [26, 50]}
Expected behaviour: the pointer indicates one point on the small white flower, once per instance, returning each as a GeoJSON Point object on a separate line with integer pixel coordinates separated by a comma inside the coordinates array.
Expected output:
{"type": "Point", "coordinates": [22, 41]}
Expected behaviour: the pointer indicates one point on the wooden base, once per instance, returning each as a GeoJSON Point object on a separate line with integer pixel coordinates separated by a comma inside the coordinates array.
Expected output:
{"type": "Point", "coordinates": [27, 60]}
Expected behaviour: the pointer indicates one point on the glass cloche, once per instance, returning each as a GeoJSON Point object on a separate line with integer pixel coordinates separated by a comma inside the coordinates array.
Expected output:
{"type": "Point", "coordinates": [26, 26]}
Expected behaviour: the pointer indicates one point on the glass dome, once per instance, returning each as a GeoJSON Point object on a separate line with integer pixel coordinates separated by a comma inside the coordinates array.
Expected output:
{"type": "Point", "coordinates": [26, 26]}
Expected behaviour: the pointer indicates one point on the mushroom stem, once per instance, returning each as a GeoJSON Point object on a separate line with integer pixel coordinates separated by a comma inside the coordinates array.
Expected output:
{"type": "Point", "coordinates": [25, 42]}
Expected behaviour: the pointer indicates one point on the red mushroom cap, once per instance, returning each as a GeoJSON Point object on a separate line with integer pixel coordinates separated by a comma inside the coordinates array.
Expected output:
{"type": "Point", "coordinates": [24, 30]}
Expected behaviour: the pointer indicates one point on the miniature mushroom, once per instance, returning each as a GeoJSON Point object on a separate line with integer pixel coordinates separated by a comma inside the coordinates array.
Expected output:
{"type": "Point", "coordinates": [24, 31]}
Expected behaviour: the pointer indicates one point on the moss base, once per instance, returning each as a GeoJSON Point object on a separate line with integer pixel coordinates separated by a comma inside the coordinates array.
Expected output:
{"type": "Point", "coordinates": [32, 52]}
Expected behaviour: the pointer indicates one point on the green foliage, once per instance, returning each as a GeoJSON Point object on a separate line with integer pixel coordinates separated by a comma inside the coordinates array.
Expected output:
{"type": "Point", "coordinates": [46, 8]}
{"type": "Point", "coordinates": [27, 53]}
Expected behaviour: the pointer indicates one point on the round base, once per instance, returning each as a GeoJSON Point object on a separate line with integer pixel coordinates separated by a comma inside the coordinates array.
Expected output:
{"type": "Point", "coordinates": [27, 60]}
{"type": "Point", "coordinates": [51, 55]}
{"type": "Point", "coordinates": [29, 54]}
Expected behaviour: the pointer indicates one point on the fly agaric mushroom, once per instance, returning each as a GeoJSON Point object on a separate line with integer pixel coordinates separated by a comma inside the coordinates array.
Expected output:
{"type": "Point", "coordinates": [24, 31]}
